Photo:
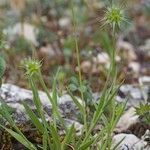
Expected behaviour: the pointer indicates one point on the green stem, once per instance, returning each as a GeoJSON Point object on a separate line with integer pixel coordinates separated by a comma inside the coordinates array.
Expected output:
{"type": "Point", "coordinates": [78, 63]}
{"type": "Point", "coordinates": [54, 106]}
{"type": "Point", "coordinates": [113, 55]}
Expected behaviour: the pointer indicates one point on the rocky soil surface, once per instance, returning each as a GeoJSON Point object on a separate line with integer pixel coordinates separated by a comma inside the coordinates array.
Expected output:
{"type": "Point", "coordinates": [136, 134]}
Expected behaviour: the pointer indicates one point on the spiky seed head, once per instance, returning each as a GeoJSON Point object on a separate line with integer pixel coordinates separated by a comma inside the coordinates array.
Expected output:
{"type": "Point", "coordinates": [31, 66]}
{"type": "Point", "coordinates": [114, 16]}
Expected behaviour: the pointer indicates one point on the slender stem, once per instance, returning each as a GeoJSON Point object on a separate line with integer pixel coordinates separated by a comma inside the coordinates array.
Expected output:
{"type": "Point", "coordinates": [76, 46]}
{"type": "Point", "coordinates": [54, 106]}
{"type": "Point", "coordinates": [78, 62]}
{"type": "Point", "coordinates": [113, 55]}
{"type": "Point", "coordinates": [112, 102]}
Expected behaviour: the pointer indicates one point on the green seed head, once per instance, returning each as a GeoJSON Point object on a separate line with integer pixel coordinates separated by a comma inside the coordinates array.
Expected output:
{"type": "Point", "coordinates": [114, 16]}
{"type": "Point", "coordinates": [31, 66]}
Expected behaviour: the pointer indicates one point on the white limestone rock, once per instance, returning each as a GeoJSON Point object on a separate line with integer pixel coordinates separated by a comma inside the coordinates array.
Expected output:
{"type": "Point", "coordinates": [145, 80]}
{"type": "Point", "coordinates": [136, 94]}
{"type": "Point", "coordinates": [64, 22]}
{"type": "Point", "coordinates": [127, 119]}
{"type": "Point", "coordinates": [28, 31]}
{"type": "Point", "coordinates": [134, 66]}
{"type": "Point", "coordinates": [128, 49]}
{"type": "Point", "coordinates": [130, 142]}
{"type": "Point", "coordinates": [14, 96]}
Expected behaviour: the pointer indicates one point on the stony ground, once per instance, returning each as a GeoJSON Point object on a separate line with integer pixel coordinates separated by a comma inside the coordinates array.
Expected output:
{"type": "Point", "coordinates": [48, 30]}
{"type": "Point", "coordinates": [136, 132]}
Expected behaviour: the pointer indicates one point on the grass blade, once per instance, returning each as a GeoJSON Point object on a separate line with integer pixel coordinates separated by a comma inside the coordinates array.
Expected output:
{"type": "Point", "coordinates": [21, 139]}
{"type": "Point", "coordinates": [45, 141]}
{"type": "Point", "coordinates": [34, 118]}
{"type": "Point", "coordinates": [55, 137]}
{"type": "Point", "coordinates": [68, 137]}
{"type": "Point", "coordinates": [76, 101]}
{"type": "Point", "coordinates": [86, 145]}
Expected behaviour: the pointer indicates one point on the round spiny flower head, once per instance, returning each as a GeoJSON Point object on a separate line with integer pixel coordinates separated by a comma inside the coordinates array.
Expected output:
{"type": "Point", "coordinates": [114, 16]}
{"type": "Point", "coordinates": [31, 66]}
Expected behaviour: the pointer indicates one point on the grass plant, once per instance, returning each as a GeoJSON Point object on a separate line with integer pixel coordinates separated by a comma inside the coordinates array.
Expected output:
{"type": "Point", "coordinates": [51, 139]}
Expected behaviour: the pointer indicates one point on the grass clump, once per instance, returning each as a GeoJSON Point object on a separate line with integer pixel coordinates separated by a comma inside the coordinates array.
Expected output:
{"type": "Point", "coordinates": [87, 140]}
{"type": "Point", "coordinates": [49, 131]}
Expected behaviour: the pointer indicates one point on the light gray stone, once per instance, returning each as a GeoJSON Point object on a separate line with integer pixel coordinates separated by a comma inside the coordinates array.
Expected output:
{"type": "Point", "coordinates": [14, 96]}
{"type": "Point", "coordinates": [127, 119]}
{"type": "Point", "coordinates": [28, 31]}
{"type": "Point", "coordinates": [130, 142]}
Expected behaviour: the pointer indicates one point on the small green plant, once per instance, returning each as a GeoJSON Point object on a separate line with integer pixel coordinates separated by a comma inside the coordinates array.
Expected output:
{"type": "Point", "coordinates": [49, 130]}
{"type": "Point", "coordinates": [143, 110]}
